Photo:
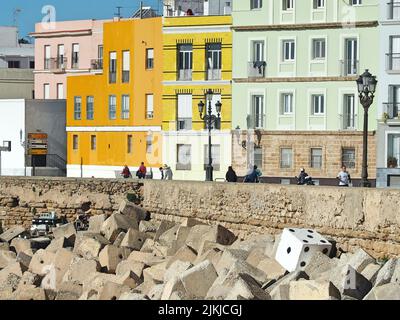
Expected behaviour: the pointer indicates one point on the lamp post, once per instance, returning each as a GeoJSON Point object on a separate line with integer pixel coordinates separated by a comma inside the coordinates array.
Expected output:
{"type": "Point", "coordinates": [209, 119]}
{"type": "Point", "coordinates": [366, 85]}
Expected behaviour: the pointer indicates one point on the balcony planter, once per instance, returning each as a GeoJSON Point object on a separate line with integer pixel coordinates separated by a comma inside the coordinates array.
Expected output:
{"type": "Point", "coordinates": [385, 117]}
{"type": "Point", "coordinates": [392, 163]}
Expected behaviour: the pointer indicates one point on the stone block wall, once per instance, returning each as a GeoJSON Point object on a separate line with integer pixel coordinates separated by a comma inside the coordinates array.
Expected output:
{"type": "Point", "coordinates": [23, 198]}
{"type": "Point", "coordinates": [354, 217]}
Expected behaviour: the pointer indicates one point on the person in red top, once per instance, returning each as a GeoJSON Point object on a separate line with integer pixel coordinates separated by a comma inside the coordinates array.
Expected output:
{"type": "Point", "coordinates": [142, 171]}
{"type": "Point", "coordinates": [126, 173]}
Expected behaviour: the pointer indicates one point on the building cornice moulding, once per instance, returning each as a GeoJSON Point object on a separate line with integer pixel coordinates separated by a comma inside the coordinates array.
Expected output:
{"type": "Point", "coordinates": [294, 79]}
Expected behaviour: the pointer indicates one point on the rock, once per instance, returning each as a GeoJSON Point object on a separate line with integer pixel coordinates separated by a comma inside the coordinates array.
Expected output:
{"type": "Point", "coordinates": [313, 290]}
{"type": "Point", "coordinates": [13, 268]}
{"type": "Point", "coordinates": [112, 291]}
{"type": "Point", "coordinates": [129, 265]}
{"type": "Point", "coordinates": [133, 211]}
{"type": "Point", "coordinates": [354, 284]}
{"type": "Point", "coordinates": [281, 292]}
{"type": "Point", "coordinates": [69, 291]}
{"type": "Point", "coordinates": [168, 238]}
{"type": "Point", "coordinates": [132, 296]}
{"type": "Point", "coordinates": [214, 255]}
{"type": "Point", "coordinates": [285, 280]}
{"type": "Point", "coordinates": [29, 278]}
{"type": "Point", "coordinates": [116, 224]}
{"type": "Point", "coordinates": [208, 245]}
{"type": "Point", "coordinates": [155, 274]}
{"type": "Point", "coordinates": [80, 269]}
{"type": "Point", "coordinates": [6, 258]}
{"type": "Point", "coordinates": [240, 266]}
{"type": "Point", "coordinates": [371, 272]}
{"type": "Point", "coordinates": [95, 223]}
{"type": "Point", "coordinates": [148, 245]}
{"type": "Point", "coordinates": [271, 268]}
{"type": "Point", "coordinates": [385, 275]}
{"type": "Point", "coordinates": [20, 244]}
{"type": "Point", "coordinates": [198, 280]}
{"type": "Point", "coordinates": [119, 239]}
{"type": "Point", "coordinates": [30, 292]}
{"type": "Point", "coordinates": [40, 243]}
{"type": "Point", "coordinates": [175, 269]}
{"type": "Point", "coordinates": [41, 261]}
{"type": "Point", "coordinates": [12, 233]}
{"type": "Point", "coordinates": [10, 282]}
{"type": "Point", "coordinates": [255, 256]}
{"type": "Point", "coordinates": [183, 254]}
{"type": "Point", "coordinates": [57, 270]}
{"type": "Point", "coordinates": [148, 226]}
{"type": "Point", "coordinates": [57, 244]}
{"type": "Point", "coordinates": [318, 264]}
{"type": "Point", "coordinates": [89, 248]}
{"type": "Point", "coordinates": [360, 259]}
{"type": "Point", "coordinates": [94, 283]}
{"type": "Point", "coordinates": [162, 251]}
{"type": "Point", "coordinates": [229, 256]}
{"type": "Point", "coordinates": [388, 291]}
{"type": "Point", "coordinates": [25, 259]}
{"type": "Point", "coordinates": [172, 286]}
{"type": "Point", "coordinates": [247, 288]}
{"type": "Point", "coordinates": [133, 239]}
{"type": "Point", "coordinates": [264, 244]}
{"type": "Point", "coordinates": [129, 279]}
{"type": "Point", "coordinates": [111, 256]}
{"type": "Point", "coordinates": [4, 246]}
{"type": "Point", "coordinates": [191, 222]}
{"type": "Point", "coordinates": [156, 291]}
{"type": "Point", "coordinates": [162, 228]}
{"type": "Point", "coordinates": [66, 231]}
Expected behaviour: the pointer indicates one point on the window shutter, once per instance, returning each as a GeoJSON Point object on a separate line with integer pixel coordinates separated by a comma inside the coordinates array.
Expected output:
{"type": "Point", "coordinates": [126, 61]}
{"type": "Point", "coordinates": [185, 106]}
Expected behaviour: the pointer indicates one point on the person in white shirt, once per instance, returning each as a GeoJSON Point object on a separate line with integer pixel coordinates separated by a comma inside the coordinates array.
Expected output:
{"type": "Point", "coordinates": [344, 177]}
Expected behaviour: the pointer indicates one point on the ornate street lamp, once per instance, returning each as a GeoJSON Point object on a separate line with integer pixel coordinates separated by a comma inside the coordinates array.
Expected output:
{"type": "Point", "coordinates": [366, 85]}
{"type": "Point", "coordinates": [209, 120]}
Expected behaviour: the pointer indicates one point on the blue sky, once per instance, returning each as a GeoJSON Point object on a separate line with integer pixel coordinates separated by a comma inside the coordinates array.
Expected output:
{"type": "Point", "coordinates": [65, 10]}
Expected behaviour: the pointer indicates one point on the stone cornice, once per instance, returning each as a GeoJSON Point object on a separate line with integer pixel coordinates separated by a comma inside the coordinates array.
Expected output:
{"type": "Point", "coordinates": [293, 79]}
{"type": "Point", "coordinates": [306, 26]}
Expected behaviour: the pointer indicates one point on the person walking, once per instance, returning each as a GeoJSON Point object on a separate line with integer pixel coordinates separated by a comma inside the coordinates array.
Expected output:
{"type": "Point", "coordinates": [126, 173]}
{"type": "Point", "coordinates": [162, 173]}
{"type": "Point", "coordinates": [141, 173]}
{"type": "Point", "coordinates": [231, 175]}
{"type": "Point", "coordinates": [168, 175]}
{"type": "Point", "coordinates": [344, 177]}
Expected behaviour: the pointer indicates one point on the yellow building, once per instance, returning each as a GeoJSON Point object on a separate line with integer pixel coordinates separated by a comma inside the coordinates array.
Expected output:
{"type": "Point", "coordinates": [197, 57]}
{"type": "Point", "coordinates": [114, 116]}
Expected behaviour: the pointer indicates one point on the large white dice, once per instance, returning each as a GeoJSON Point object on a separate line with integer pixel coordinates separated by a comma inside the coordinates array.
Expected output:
{"type": "Point", "coordinates": [297, 246]}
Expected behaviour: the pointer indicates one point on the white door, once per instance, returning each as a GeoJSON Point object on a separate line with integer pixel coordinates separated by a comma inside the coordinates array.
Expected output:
{"type": "Point", "coordinates": [351, 57]}
{"type": "Point", "coordinates": [349, 111]}
{"type": "Point", "coordinates": [395, 51]}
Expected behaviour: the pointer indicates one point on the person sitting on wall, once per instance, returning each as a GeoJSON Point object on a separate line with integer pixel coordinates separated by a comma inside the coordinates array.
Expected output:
{"type": "Point", "coordinates": [126, 173]}
{"type": "Point", "coordinates": [167, 172]}
{"type": "Point", "coordinates": [253, 176]}
{"type": "Point", "coordinates": [231, 175]}
{"type": "Point", "coordinates": [141, 173]}
{"type": "Point", "coordinates": [189, 12]}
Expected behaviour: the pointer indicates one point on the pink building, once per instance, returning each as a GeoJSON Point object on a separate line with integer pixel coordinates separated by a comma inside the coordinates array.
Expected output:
{"type": "Point", "coordinates": [71, 48]}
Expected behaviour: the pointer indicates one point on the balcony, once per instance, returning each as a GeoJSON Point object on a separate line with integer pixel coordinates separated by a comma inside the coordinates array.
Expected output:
{"type": "Point", "coordinates": [75, 63]}
{"type": "Point", "coordinates": [214, 74]}
{"type": "Point", "coordinates": [393, 12]}
{"type": "Point", "coordinates": [113, 77]}
{"type": "Point", "coordinates": [392, 110]}
{"type": "Point", "coordinates": [184, 124]}
{"type": "Point", "coordinates": [256, 69]}
{"type": "Point", "coordinates": [58, 65]}
{"type": "Point", "coordinates": [150, 115]}
{"type": "Point", "coordinates": [96, 64]}
{"type": "Point", "coordinates": [185, 75]}
{"type": "Point", "coordinates": [393, 62]}
{"type": "Point", "coordinates": [125, 76]}
{"type": "Point", "coordinates": [255, 121]}
{"type": "Point", "coordinates": [349, 68]}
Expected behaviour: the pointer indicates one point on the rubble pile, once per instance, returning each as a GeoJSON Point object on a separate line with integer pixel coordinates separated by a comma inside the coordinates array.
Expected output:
{"type": "Point", "coordinates": [127, 256]}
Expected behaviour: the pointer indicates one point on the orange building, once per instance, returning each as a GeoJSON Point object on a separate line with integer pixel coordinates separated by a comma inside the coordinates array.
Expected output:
{"type": "Point", "coordinates": [114, 117]}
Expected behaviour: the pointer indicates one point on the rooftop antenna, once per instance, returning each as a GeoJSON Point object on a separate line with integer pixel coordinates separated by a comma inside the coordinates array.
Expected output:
{"type": "Point", "coordinates": [118, 14]}
{"type": "Point", "coordinates": [16, 12]}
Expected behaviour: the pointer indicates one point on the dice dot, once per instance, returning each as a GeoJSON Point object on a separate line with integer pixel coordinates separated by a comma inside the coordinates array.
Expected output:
{"type": "Point", "coordinates": [303, 264]}
{"type": "Point", "coordinates": [306, 249]}
{"type": "Point", "coordinates": [323, 241]}
{"type": "Point", "coordinates": [310, 231]}
{"type": "Point", "coordinates": [348, 272]}
{"type": "Point", "coordinates": [289, 250]}
{"type": "Point", "coordinates": [305, 241]}
{"type": "Point", "coordinates": [325, 251]}
{"type": "Point", "coordinates": [311, 237]}
{"type": "Point", "coordinates": [291, 230]}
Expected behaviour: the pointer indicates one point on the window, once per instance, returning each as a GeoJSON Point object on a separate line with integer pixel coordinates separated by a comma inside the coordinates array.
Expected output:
{"type": "Point", "coordinates": [286, 158]}
{"type": "Point", "coordinates": [60, 57]}
{"type": "Point", "coordinates": [93, 143]}
{"type": "Point", "coordinates": [185, 61]}
{"type": "Point", "coordinates": [149, 106]}
{"type": "Point", "coordinates": [288, 50]}
{"type": "Point", "coordinates": [286, 103]}
{"type": "Point", "coordinates": [258, 157]}
{"type": "Point", "coordinates": [60, 91]}
{"type": "Point", "coordinates": [75, 142]}
{"type": "Point", "coordinates": [31, 64]}
{"type": "Point", "coordinates": [257, 111]}
{"type": "Point", "coordinates": [316, 158]}
{"type": "Point", "coordinates": [75, 56]}
{"type": "Point", "coordinates": [318, 49]}
{"type": "Point", "coordinates": [149, 144]}
{"type": "Point", "coordinates": [215, 156]}
{"type": "Point", "coordinates": [46, 91]}
{"type": "Point", "coordinates": [14, 64]}
{"type": "Point", "coordinates": [349, 112]}
{"type": "Point", "coordinates": [47, 57]}
{"type": "Point", "coordinates": [214, 61]}
{"type": "Point", "coordinates": [77, 108]}
{"type": "Point", "coordinates": [113, 67]}
{"type": "Point", "coordinates": [129, 143]}
{"type": "Point", "coordinates": [318, 104]}
{"type": "Point", "coordinates": [393, 156]}
{"type": "Point", "coordinates": [185, 112]}
{"type": "Point", "coordinates": [184, 157]}
{"type": "Point", "coordinates": [149, 58]}
{"type": "Point", "coordinates": [287, 5]}
{"type": "Point", "coordinates": [112, 107]}
{"type": "Point", "coordinates": [125, 66]}
{"type": "Point", "coordinates": [255, 4]}
{"type": "Point", "coordinates": [394, 54]}
{"type": "Point", "coordinates": [319, 4]}
{"type": "Point", "coordinates": [90, 108]}
{"type": "Point", "coordinates": [258, 51]}
{"type": "Point", "coordinates": [125, 110]}
{"type": "Point", "coordinates": [349, 157]}
{"type": "Point", "coordinates": [355, 2]}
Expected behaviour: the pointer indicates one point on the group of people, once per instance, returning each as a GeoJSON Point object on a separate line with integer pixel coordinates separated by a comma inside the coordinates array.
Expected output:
{"type": "Point", "coordinates": [141, 173]}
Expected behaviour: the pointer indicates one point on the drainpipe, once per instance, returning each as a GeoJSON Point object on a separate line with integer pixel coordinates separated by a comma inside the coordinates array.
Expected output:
{"type": "Point", "coordinates": [141, 9]}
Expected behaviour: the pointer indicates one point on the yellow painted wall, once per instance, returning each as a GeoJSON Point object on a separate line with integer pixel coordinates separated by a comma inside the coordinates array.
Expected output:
{"type": "Point", "coordinates": [199, 41]}
{"type": "Point", "coordinates": [135, 35]}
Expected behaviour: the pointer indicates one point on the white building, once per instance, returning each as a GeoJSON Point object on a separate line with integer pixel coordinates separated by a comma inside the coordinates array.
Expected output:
{"type": "Point", "coordinates": [18, 118]}
{"type": "Point", "coordinates": [388, 146]}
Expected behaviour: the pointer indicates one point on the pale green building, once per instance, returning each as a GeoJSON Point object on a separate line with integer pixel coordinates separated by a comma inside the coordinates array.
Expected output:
{"type": "Point", "coordinates": [294, 69]}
